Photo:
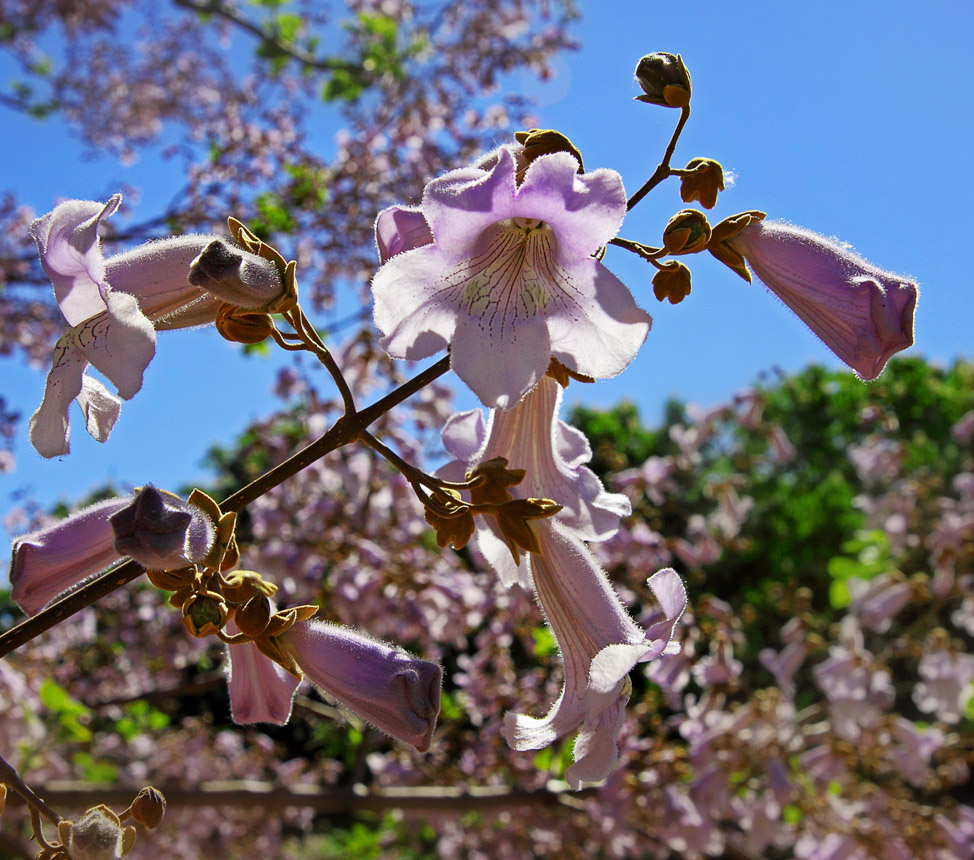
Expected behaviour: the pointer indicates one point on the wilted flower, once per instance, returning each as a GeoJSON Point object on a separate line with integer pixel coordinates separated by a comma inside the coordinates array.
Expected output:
{"type": "Point", "coordinates": [159, 530]}
{"type": "Point", "coordinates": [115, 306]}
{"type": "Point", "coordinates": [509, 280]}
{"type": "Point", "coordinates": [863, 314]}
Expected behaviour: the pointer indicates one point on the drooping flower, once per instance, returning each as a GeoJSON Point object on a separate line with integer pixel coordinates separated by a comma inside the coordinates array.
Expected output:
{"type": "Point", "coordinates": [392, 690]}
{"type": "Point", "coordinates": [599, 644]}
{"type": "Point", "coordinates": [552, 453]}
{"type": "Point", "coordinates": [159, 530]}
{"type": "Point", "coordinates": [863, 314]}
{"type": "Point", "coordinates": [598, 640]}
{"type": "Point", "coordinates": [509, 280]}
{"type": "Point", "coordinates": [115, 305]}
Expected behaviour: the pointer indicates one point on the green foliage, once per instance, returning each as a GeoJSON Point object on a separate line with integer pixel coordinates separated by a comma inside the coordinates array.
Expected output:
{"type": "Point", "coordinates": [70, 714]}
{"type": "Point", "coordinates": [871, 557]}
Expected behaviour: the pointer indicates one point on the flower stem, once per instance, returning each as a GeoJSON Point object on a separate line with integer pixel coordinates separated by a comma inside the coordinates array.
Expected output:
{"type": "Point", "coordinates": [663, 169]}
{"type": "Point", "coordinates": [346, 429]}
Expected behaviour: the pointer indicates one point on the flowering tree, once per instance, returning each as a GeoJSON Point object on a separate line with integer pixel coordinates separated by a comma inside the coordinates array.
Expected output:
{"type": "Point", "coordinates": [325, 564]}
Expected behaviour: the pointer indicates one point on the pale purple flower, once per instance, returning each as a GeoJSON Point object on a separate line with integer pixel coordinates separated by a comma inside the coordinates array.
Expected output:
{"type": "Point", "coordinates": [946, 685]}
{"type": "Point", "coordinates": [261, 690]}
{"type": "Point", "coordinates": [863, 314]}
{"type": "Point", "coordinates": [158, 530]}
{"type": "Point", "coordinates": [509, 279]}
{"type": "Point", "coordinates": [963, 430]}
{"type": "Point", "coordinates": [876, 602]}
{"type": "Point", "coordinates": [400, 228]}
{"type": "Point", "coordinates": [396, 692]}
{"type": "Point", "coordinates": [114, 307]}
{"type": "Point", "coordinates": [784, 664]}
{"type": "Point", "coordinates": [553, 454]}
{"type": "Point", "coordinates": [599, 643]}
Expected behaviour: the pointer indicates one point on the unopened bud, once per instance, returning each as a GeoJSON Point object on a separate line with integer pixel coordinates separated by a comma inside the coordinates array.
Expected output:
{"type": "Point", "coordinates": [702, 180]}
{"type": "Point", "coordinates": [687, 232]}
{"type": "Point", "coordinates": [205, 614]}
{"type": "Point", "coordinates": [242, 327]}
{"type": "Point", "coordinates": [237, 276]}
{"type": "Point", "coordinates": [672, 282]}
{"type": "Point", "coordinates": [543, 141]}
{"type": "Point", "coordinates": [149, 807]}
{"type": "Point", "coordinates": [99, 835]}
{"type": "Point", "coordinates": [664, 80]}
{"type": "Point", "coordinates": [253, 617]}
{"type": "Point", "coordinates": [161, 531]}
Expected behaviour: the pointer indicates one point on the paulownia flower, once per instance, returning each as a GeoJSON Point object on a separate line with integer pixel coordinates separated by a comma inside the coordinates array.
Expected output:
{"type": "Point", "coordinates": [394, 691]}
{"type": "Point", "coordinates": [509, 279]}
{"type": "Point", "coordinates": [599, 644]}
{"type": "Point", "coordinates": [115, 305]}
{"type": "Point", "coordinates": [863, 314]}
{"type": "Point", "coordinates": [552, 453]}
{"type": "Point", "coordinates": [159, 530]}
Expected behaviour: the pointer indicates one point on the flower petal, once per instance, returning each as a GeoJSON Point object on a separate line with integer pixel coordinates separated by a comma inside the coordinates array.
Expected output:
{"type": "Point", "coordinates": [261, 691]}
{"type": "Point", "coordinates": [400, 228]}
{"type": "Point", "coordinates": [70, 252]}
{"type": "Point", "coordinates": [463, 203]}
{"type": "Point", "coordinates": [500, 364]}
{"type": "Point", "coordinates": [48, 427]}
{"type": "Point", "coordinates": [119, 342]}
{"type": "Point", "coordinates": [585, 211]}
{"type": "Point", "coordinates": [100, 408]}
{"type": "Point", "coordinates": [600, 328]}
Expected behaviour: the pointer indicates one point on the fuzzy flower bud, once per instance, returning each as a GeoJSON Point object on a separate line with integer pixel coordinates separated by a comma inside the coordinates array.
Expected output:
{"type": "Point", "coordinates": [664, 79]}
{"type": "Point", "coordinates": [701, 180]}
{"type": "Point", "coordinates": [99, 835]}
{"type": "Point", "coordinates": [237, 276]}
{"type": "Point", "coordinates": [672, 282]}
{"type": "Point", "coordinates": [161, 531]}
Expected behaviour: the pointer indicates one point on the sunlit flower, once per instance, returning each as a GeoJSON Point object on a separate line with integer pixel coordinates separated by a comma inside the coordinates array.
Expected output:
{"type": "Point", "coordinates": [863, 314]}
{"type": "Point", "coordinates": [159, 530]}
{"type": "Point", "coordinates": [553, 454]}
{"type": "Point", "coordinates": [509, 279]}
{"type": "Point", "coordinates": [115, 305]}
{"type": "Point", "coordinates": [397, 693]}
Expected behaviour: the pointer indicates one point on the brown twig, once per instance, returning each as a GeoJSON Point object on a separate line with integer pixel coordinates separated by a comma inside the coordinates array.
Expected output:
{"type": "Point", "coordinates": [342, 432]}
{"type": "Point", "coordinates": [663, 169]}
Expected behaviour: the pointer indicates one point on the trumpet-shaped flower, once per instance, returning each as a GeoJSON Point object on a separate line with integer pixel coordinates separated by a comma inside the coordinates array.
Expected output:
{"type": "Point", "coordinates": [509, 279]}
{"type": "Point", "coordinates": [599, 644]}
{"type": "Point", "coordinates": [863, 314]}
{"type": "Point", "coordinates": [553, 454]}
{"type": "Point", "coordinates": [397, 693]}
{"type": "Point", "coordinates": [115, 305]}
{"type": "Point", "coordinates": [158, 530]}
{"type": "Point", "coordinates": [598, 640]}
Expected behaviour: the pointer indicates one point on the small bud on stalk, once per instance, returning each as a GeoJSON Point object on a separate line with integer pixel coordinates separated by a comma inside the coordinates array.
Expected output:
{"type": "Point", "coordinates": [664, 79]}
{"type": "Point", "coordinates": [687, 232]}
{"type": "Point", "coordinates": [149, 807]}
{"type": "Point", "coordinates": [701, 180]}
{"type": "Point", "coordinates": [672, 282]}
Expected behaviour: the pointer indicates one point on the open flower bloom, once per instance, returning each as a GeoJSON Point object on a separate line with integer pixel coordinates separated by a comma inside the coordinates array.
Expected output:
{"type": "Point", "coordinates": [509, 279]}
{"type": "Point", "coordinates": [599, 643]}
{"type": "Point", "coordinates": [553, 454]}
{"type": "Point", "coordinates": [863, 314]}
{"type": "Point", "coordinates": [115, 305]}
{"type": "Point", "coordinates": [158, 530]}
{"type": "Point", "coordinates": [397, 693]}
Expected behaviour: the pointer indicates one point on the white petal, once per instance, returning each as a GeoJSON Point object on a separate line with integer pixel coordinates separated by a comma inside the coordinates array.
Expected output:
{"type": "Point", "coordinates": [49, 429]}
{"type": "Point", "coordinates": [99, 407]}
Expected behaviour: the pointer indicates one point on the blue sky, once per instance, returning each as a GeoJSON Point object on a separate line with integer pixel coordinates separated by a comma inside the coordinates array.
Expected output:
{"type": "Point", "coordinates": [851, 119]}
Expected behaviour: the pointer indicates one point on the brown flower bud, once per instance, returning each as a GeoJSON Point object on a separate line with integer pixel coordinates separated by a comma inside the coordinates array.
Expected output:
{"type": "Point", "coordinates": [672, 282]}
{"type": "Point", "coordinates": [205, 614]}
{"type": "Point", "coordinates": [687, 232]}
{"type": "Point", "coordinates": [242, 327]}
{"type": "Point", "coordinates": [149, 807]}
{"type": "Point", "coordinates": [542, 141]}
{"type": "Point", "coordinates": [702, 180]}
{"type": "Point", "coordinates": [664, 80]}
{"type": "Point", "coordinates": [726, 230]}
{"type": "Point", "coordinates": [254, 616]}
